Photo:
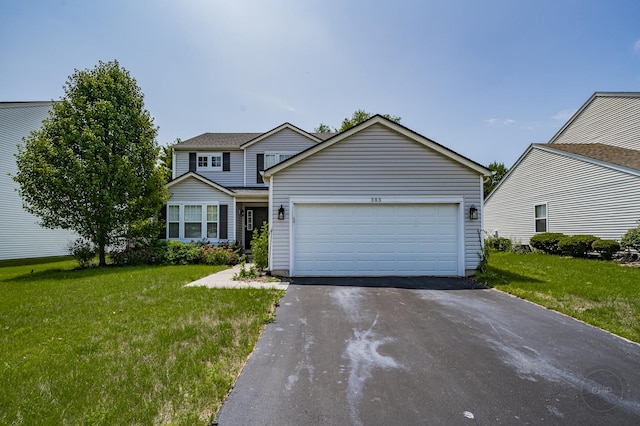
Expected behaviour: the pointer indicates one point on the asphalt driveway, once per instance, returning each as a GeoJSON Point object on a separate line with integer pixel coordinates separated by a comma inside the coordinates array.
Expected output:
{"type": "Point", "coordinates": [407, 351]}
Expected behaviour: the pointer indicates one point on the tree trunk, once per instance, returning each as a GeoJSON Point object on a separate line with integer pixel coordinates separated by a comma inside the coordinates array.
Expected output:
{"type": "Point", "coordinates": [103, 257]}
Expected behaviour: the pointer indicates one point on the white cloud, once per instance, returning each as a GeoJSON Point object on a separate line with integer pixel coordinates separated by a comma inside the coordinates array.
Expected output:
{"type": "Point", "coordinates": [563, 115]}
{"type": "Point", "coordinates": [494, 121]}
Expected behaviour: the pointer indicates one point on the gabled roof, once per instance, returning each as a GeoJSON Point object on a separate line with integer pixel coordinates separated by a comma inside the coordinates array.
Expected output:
{"type": "Point", "coordinates": [24, 104]}
{"type": "Point", "coordinates": [201, 179]}
{"type": "Point", "coordinates": [378, 119]}
{"type": "Point", "coordinates": [240, 140]}
{"type": "Point", "coordinates": [586, 104]}
{"type": "Point", "coordinates": [278, 129]}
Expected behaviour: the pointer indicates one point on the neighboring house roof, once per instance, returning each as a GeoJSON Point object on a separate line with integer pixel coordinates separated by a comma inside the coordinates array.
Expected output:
{"type": "Point", "coordinates": [378, 119]}
{"type": "Point", "coordinates": [240, 140]}
{"type": "Point", "coordinates": [21, 104]}
{"type": "Point", "coordinates": [579, 112]}
{"type": "Point", "coordinates": [629, 158]}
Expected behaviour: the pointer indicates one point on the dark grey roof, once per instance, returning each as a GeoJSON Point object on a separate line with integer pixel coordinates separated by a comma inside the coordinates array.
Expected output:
{"type": "Point", "coordinates": [229, 140]}
{"type": "Point", "coordinates": [624, 157]}
{"type": "Point", "coordinates": [222, 140]}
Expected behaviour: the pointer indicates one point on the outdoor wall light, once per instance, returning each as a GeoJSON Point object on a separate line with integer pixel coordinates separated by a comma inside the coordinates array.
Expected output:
{"type": "Point", "coordinates": [242, 212]}
{"type": "Point", "coordinates": [473, 213]}
{"type": "Point", "coordinates": [281, 212]}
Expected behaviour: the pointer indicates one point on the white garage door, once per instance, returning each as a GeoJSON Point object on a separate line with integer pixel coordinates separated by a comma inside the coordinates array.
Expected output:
{"type": "Point", "coordinates": [375, 240]}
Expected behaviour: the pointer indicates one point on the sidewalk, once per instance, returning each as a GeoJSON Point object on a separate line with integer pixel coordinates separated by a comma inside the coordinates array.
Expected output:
{"type": "Point", "coordinates": [224, 279]}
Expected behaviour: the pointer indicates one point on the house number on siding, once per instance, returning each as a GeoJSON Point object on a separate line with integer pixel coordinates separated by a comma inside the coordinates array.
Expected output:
{"type": "Point", "coordinates": [376, 199]}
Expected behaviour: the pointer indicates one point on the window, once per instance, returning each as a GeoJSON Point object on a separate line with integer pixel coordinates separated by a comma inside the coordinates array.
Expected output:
{"type": "Point", "coordinates": [211, 161]}
{"type": "Point", "coordinates": [273, 158]}
{"type": "Point", "coordinates": [212, 221]}
{"type": "Point", "coordinates": [541, 217]}
{"type": "Point", "coordinates": [173, 219]}
{"type": "Point", "coordinates": [193, 222]}
{"type": "Point", "coordinates": [198, 221]}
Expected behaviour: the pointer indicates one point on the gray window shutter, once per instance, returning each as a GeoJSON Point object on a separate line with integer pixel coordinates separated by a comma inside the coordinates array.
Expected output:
{"type": "Point", "coordinates": [226, 161]}
{"type": "Point", "coordinates": [224, 222]}
{"type": "Point", "coordinates": [192, 162]}
{"type": "Point", "coordinates": [260, 163]}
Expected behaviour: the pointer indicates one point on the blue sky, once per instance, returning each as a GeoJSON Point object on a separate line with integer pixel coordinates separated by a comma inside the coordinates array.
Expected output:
{"type": "Point", "coordinates": [484, 78]}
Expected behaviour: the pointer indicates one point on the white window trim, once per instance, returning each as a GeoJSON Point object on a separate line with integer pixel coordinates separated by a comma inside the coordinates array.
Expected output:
{"type": "Point", "coordinates": [278, 155]}
{"type": "Point", "coordinates": [209, 156]}
{"type": "Point", "coordinates": [536, 218]}
{"type": "Point", "coordinates": [203, 221]}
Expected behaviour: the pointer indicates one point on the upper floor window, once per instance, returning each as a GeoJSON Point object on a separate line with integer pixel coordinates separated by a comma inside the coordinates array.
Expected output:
{"type": "Point", "coordinates": [541, 217]}
{"type": "Point", "coordinates": [273, 158]}
{"type": "Point", "coordinates": [210, 161]}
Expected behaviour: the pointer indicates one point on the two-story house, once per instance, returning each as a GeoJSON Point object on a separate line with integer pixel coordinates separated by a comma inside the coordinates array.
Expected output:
{"type": "Point", "coordinates": [377, 199]}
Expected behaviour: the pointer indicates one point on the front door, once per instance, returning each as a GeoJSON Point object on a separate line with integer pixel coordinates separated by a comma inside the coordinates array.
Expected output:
{"type": "Point", "coordinates": [254, 217]}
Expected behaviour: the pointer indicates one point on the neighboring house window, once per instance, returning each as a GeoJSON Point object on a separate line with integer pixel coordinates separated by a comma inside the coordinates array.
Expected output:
{"type": "Point", "coordinates": [173, 219]}
{"type": "Point", "coordinates": [211, 161]}
{"type": "Point", "coordinates": [541, 217]}
{"type": "Point", "coordinates": [273, 158]}
{"type": "Point", "coordinates": [198, 221]}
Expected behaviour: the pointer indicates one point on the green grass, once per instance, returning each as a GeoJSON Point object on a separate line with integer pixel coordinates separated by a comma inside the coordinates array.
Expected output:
{"type": "Point", "coordinates": [126, 345]}
{"type": "Point", "coordinates": [601, 293]}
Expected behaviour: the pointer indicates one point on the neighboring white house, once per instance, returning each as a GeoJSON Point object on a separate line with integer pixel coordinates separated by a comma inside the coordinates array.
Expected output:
{"type": "Point", "coordinates": [586, 180]}
{"type": "Point", "coordinates": [20, 234]}
{"type": "Point", "coordinates": [377, 199]}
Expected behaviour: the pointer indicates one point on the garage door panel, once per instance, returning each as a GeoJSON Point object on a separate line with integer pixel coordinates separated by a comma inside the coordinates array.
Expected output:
{"type": "Point", "coordinates": [385, 239]}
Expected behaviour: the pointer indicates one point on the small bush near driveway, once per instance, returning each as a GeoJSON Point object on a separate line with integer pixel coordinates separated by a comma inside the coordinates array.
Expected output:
{"type": "Point", "coordinates": [603, 294]}
{"type": "Point", "coordinates": [121, 346]}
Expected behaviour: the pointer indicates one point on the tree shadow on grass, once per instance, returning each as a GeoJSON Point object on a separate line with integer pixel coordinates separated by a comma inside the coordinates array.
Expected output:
{"type": "Point", "coordinates": [496, 276]}
{"type": "Point", "coordinates": [57, 274]}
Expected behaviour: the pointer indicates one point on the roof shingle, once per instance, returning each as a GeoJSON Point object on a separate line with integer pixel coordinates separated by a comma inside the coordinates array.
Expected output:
{"type": "Point", "coordinates": [624, 157]}
{"type": "Point", "coordinates": [228, 140]}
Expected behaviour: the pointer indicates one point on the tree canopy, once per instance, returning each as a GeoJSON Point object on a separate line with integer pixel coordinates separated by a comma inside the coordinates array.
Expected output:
{"type": "Point", "coordinates": [500, 171]}
{"type": "Point", "coordinates": [357, 117]}
{"type": "Point", "coordinates": [92, 166]}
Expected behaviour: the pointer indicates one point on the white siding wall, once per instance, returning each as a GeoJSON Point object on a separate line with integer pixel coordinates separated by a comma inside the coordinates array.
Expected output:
{"type": "Point", "coordinates": [20, 235]}
{"type": "Point", "coordinates": [234, 177]}
{"type": "Point", "coordinates": [285, 140]}
{"type": "Point", "coordinates": [375, 162]}
{"type": "Point", "coordinates": [582, 198]}
{"type": "Point", "coordinates": [194, 191]}
{"type": "Point", "coordinates": [611, 120]}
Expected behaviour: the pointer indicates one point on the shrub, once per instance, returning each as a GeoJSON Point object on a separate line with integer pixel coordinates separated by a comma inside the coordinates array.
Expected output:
{"type": "Point", "coordinates": [260, 247]}
{"type": "Point", "coordinates": [606, 248]}
{"type": "Point", "coordinates": [179, 253]}
{"type": "Point", "coordinates": [499, 244]}
{"type": "Point", "coordinates": [212, 255]}
{"type": "Point", "coordinates": [83, 251]}
{"type": "Point", "coordinates": [576, 245]}
{"type": "Point", "coordinates": [547, 242]}
{"type": "Point", "coordinates": [139, 254]}
{"type": "Point", "coordinates": [631, 238]}
{"type": "Point", "coordinates": [246, 273]}
{"type": "Point", "coordinates": [236, 247]}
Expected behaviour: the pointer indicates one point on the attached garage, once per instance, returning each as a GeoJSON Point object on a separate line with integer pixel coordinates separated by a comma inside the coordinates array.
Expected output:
{"type": "Point", "coordinates": [375, 200]}
{"type": "Point", "coordinates": [383, 238]}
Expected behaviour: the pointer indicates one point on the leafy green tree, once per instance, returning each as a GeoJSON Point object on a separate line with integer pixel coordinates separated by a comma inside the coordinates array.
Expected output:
{"type": "Point", "coordinates": [356, 118]}
{"type": "Point", "coordinates": [92, 166]}
{"type": "Point", "coordinates": [166, 160]}
{"type": "Point", "coordinates": [500, 171]}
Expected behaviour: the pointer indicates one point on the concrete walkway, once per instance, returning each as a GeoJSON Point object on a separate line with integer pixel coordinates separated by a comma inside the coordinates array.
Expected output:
{"type": "Point", "coordinates": [224, 279]}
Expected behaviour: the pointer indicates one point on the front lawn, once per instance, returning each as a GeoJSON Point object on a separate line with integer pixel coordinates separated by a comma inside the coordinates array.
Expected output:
{"type": "Point", "coordinates": [601, 293]}
{"type": "Point", "coordinates": [127, 345]}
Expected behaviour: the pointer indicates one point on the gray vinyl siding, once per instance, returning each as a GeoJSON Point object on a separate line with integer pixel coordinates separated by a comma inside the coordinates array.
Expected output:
{"type": "Point", "coordinates": [285, 140]}
{"type": "Point", "coordinates": [234, 177]}
{"type": "Point", "coordinates": [582, 198]}
{"type": "Point", "coordinates": [192, 190]}
{"type": "Point", "coordinates": [375, 162]}
{"type": "Point", "coordinates": [20, 234]}
{"type": "Point", "coordinates": [610, 120]}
